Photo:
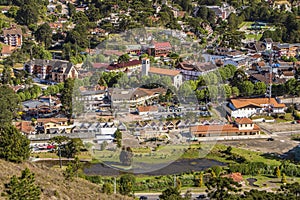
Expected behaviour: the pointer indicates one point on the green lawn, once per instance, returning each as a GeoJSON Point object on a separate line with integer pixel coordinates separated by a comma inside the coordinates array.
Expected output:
{"type": "Point", "coordinates": [253, 36]}
{"type": "Point", "coordinates": [250, 156]}
{"type": "Point", "coordinates": [247, 24]}
{"type": "Point", "coordinates": [82, 155]}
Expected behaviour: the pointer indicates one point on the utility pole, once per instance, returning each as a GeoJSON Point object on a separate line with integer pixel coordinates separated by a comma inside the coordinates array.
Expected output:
{"type": "Point", "coordinates": [59, 153]}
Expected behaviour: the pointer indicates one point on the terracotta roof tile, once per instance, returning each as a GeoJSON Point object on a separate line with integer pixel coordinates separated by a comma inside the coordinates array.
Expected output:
{"type": "Point", "coordinates": [237, 177]}
{"type": "Point", "coordinates": [124, 64]}
{"type": "Point", "coordinates": [24, 127]}
{"type": "Point", "coordinates": [219, 129]}
{"type": "Point", "coordinates": [243, 120]}
{"type": "Point", "coordinates": [161, 71]}
{"type": "Point", "coordinates": [256, 102]}
{"type": "Point", "coordinates": [147, 108]}
{"type": "Point", "coordinates": [162, 45]}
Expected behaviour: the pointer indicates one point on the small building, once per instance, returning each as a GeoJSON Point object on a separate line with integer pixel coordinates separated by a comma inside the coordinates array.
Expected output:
{"type": "Point", "coordinates": [129, 66]}
{"type": "Point", "coordinates": [134, 49]}
{"type": "Point", "coordinates": [25, 127]}
{"type": "Point", "coordinates": [147, 110]}
{"type": "Point", "coordinates": [160, 49]}
{"type": "Point", "coordinates": [134, 97]}
{"type": "Point", "coordinates": [191, 71]}
{"type": "Point", "coordinates": [55, 125]}
{"type": "Point", "coordinates": [243, 126]}
{"type": "Point", "coordinates": [7, 50]}
{"type": "Point", "coordinates": [236, 177]}
{"type": "Point", "coordinates": [175, 75]}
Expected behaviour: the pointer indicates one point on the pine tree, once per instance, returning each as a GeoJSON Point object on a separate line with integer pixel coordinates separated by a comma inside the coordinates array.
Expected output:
{"type": "Point", "coordinates": [277, 172]}
{"type": "Point", "coordinates": [23, 187]}
{"type": "Point", "coordinates": [201, 180]}
{"type": "Point", "coordinates": [14, 146]}
{"type": "Point", "coordinates": [283, 178]}
{"type": "Point", "coordinates": [213, 174]}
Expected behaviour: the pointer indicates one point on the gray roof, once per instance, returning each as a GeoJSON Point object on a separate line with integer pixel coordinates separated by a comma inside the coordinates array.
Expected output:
{"type": "Point", "coordinates": [33, 104]}
{"type": "Point", "coordinates": [56, 64]}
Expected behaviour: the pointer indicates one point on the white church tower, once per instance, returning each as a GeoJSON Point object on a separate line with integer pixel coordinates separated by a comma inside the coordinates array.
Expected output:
{"type": "Point", "coordinates": [145, 66]}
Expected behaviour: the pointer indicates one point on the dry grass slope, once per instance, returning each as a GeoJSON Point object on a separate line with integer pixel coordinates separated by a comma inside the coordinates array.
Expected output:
{"type": "Point", "coordinates": [53, 184]}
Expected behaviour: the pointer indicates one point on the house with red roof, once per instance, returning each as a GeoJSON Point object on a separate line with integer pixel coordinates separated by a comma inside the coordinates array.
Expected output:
{"type": "Point", "coordinates": [236, 177]}
{"type": "Point", "coordinates": [238, 108]}
{"type": "Point", "coordinates": [159, 49]}
{"type": "Point", "coordinates": [146, 110]}
{"type": "Point", "coordinates": [129, 66]}
{"type": "Point", "coordinates": [241, 126]}
{"type": "Point", "coordinates": [174, 74]}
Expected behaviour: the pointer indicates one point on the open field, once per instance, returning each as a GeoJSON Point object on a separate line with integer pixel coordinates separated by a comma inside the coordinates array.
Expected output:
{"type": "Point", "coordinates": [256, 37]}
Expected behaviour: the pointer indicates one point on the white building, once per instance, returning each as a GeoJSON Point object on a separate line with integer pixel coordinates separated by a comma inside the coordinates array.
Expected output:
{"type": "Point", "coordinates": [175, 75]}
{"type": "Point", "coordinates": [239, 108]}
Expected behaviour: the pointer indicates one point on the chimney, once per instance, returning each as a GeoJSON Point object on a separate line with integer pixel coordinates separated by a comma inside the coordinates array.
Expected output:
{"type": "Point", "coordinates": [145, 66]}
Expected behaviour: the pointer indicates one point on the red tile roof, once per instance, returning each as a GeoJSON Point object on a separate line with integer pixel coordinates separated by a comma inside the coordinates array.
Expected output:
{"type": "Point", "coordinates": [147, 108]}
{"type": "Point", "coordinates": [162, 45]}
{"type": "Point", "coordinates": [54, 120]}
{"type": "Point", "coordinates": [100, 65]}
{"type": "Point", "coordinates": [161, 71]}
{"type": "Point", "coordinates": [24, 127]}
{"type": "Point", "coordinates": [256, 102]}
{"type": "Point", "coordinates": [7, 49]}
{"type": "Point", "coordinates": [124, 65]}
{"type": "Point", "coordinates": [236, 177]}
{"type": "Point", "coordinates": [219, 129]}
{"type": "Point", "coordinates": [243, 120]}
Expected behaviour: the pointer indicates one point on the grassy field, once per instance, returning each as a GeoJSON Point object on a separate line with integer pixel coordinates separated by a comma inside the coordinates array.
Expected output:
{"type": "Point", "coordinates": [245, 24]}
{"type": "Point", "coordinates": [82, 155]}
{"type": "Point", "coordinates": [253, 36]}
{"type": "Point", "coordinates": [250, 156]}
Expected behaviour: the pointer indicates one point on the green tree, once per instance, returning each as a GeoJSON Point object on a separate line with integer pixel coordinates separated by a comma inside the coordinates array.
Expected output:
{"type": "Point", "coordinates": [171, 193]}
{"type": "Point", "coordinates": [238, 77]}
{"type": "Point", "coordinates": [126, 156]}
{"type": "Point", "coordinates": [30, 11]}
{"type": "Point", "coordinates": [23, 187]}
{"type": "Point", "coordinates": [59, 140]}
{"type": "Point", "coordinates": [227, 91]}
{"type": "Point", "coordinates": [260, 88]}
{"type": "Point", "coordinates": [246, 88]}
{"type": "Point", "coordinates": [107, 188]}
{"type": "Point", "coordinates": [235, 91]}
{"type": "Point", "coordinates": [118, 138]}
{"type": "Point", "coordinates": [277, 172]}
{"type": "Point", "coordinates": [127, 182]}
{"type": "Point", "coordinates": [72, 148]}
{"type": "Point", "coordinates": [221, 188]}
{"type": "Point", "coordinates": [9, 105]}
{"type": "Point", "coordinates": [67, 96]}
{"type": "Point", "coordinates": [200, 184]}
{"type": "Point", "coordinates": [73, 169]}
{"type": "Point", "coordinates": [124, 58]}
{"type": "Point", "coordinates": [283, 178]}
{"type": "Point", "coordinates": [217, 170]}
{"type": "Point", "coordinates": [44, 34]}
{"type": "Point", "coordinates": [14, 146]}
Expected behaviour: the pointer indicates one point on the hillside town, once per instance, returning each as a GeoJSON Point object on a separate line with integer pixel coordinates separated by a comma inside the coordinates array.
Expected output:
{"type": "Point", "coordinates": [138, 85]}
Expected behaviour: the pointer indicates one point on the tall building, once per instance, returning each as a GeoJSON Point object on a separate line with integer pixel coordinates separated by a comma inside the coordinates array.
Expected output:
{"type": "Point", "coordinates": [13, 37]}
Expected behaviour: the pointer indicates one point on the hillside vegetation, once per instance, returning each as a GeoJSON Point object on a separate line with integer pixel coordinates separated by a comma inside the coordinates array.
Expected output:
{"type": "Point", "coordinates": [53, 184]}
